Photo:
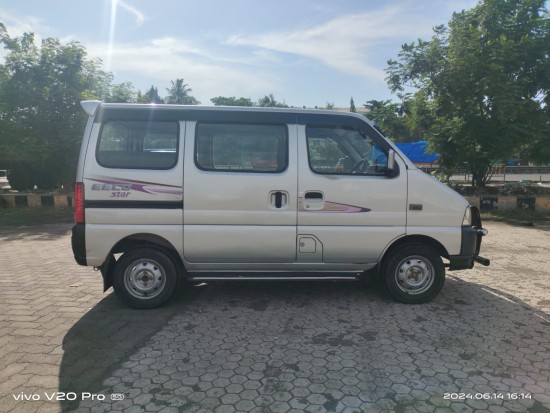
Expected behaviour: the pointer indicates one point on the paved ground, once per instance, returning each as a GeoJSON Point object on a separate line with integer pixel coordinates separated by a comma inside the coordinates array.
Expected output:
{"type": "Point", "coordinates": [482, 345]}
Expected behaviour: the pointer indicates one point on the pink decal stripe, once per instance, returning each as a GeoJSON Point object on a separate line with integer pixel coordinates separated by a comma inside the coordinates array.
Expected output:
{"type": "Point", "coordinates": [333, 207]}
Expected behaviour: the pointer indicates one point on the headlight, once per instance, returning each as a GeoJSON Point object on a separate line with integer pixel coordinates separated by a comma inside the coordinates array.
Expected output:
{"type": "Point", "coordinates": [467, 221]}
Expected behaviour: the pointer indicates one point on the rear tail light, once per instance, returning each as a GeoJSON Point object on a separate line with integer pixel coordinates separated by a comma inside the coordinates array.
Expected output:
{"type": "Point", "coordinates": [78, 203]}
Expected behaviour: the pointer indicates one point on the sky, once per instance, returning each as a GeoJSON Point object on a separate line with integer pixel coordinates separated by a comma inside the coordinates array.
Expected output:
{"type": "Point", "coordinates": [306, 52]}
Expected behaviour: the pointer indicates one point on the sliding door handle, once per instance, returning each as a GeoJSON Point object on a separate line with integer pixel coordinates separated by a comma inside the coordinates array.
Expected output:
{"type": "Point", "coordinates": [278, 199]}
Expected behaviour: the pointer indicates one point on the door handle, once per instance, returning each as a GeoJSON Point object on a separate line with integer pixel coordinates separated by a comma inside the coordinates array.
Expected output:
{"type": "Point", "coordinates": [314, 200]}
{"type": "Point", "coordinates": [314, 196]}
{"type": "Point", "coordinates": [278, 199]}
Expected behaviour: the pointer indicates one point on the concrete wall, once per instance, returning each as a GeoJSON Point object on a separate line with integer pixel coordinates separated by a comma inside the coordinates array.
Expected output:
{"type": "Point", "coordinates": [32, 200]}
{"type": "Point", "coordinates": [496, 202]}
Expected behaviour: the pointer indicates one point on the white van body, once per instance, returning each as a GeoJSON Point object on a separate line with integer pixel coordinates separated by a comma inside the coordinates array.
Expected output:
{"type": "Point", "coordinates": [203, 193]}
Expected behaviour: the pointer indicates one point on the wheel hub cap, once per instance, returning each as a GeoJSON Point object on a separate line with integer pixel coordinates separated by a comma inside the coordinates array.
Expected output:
{"type": "Point", "coordinates": [145, 279]}
{"type": "Point", "coordinates": [415, 275]}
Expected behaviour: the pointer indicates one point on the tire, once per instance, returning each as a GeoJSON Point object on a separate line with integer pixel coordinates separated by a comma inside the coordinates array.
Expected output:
{"type": "Point", "coordinates": [414, 273]}
{"type": "Point", "coordinates": [145, 278]}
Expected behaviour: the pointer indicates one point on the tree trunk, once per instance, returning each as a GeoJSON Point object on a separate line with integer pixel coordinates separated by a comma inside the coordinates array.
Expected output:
{"type": "Point", "coordinates": [479, 178]}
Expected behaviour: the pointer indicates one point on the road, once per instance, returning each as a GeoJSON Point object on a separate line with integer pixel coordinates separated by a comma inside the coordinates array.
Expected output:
{"type": "Point", "coordinates": [482, 345]}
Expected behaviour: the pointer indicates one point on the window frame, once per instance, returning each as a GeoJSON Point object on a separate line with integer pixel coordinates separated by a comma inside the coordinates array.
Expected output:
{"type": "Point", "coordinates": [123, 120]}
{"type": "Point", "coordinates": [247, 171]}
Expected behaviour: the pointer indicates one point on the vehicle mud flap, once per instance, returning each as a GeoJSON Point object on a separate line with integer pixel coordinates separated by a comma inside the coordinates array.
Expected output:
{"type": "Point", "coordinates": [107, 270]}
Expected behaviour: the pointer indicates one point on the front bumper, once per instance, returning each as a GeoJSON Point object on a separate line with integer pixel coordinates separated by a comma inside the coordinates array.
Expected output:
{"type": "Point", "coordinates": [470, 245]}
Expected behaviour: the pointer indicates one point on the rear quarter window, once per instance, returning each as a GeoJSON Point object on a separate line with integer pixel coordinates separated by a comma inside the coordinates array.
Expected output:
{"type": "Point", "coordinates": [260, 148]}
{"type": "Point", "coordinates": [138, 144]}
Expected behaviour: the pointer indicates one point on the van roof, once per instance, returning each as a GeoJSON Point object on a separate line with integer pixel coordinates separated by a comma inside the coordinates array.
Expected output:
{"type": "Point", "coordinates": [91, 106]}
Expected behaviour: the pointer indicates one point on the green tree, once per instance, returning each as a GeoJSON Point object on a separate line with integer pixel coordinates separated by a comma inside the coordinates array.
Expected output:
{"type": "Point", "coordinates": [270, 101]}
{"type": "Point", "coordinates": [40, 116]}
{"type": "Point", "coordinates": [482, 84]}
{"type": "Point", "coordinates": [231, 101]}
{"type": "Point", "coordinates": [121, 93]}
{"type": "Point", "coordinates": [352, 105]}
{"type": "Point", "coordinates": [178, 94]}
{"type": "Point", "coordinates": [389, 117]}
{"type": "Point", "coordinates": [151, 96]}
{"type": "Point", "coordinates": [417, 113]}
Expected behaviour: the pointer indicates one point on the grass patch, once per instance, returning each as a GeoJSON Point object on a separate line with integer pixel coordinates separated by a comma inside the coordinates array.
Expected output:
{"type": "Point", "coordinates": [16, 217]}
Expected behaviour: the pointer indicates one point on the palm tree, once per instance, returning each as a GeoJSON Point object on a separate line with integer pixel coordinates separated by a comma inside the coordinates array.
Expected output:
{"type": "Point", "coordinates": [179, 94]}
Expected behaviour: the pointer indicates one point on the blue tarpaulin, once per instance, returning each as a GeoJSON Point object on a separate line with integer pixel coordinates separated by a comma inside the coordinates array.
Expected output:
{"type": "Point", "coordinates": [416, 152]}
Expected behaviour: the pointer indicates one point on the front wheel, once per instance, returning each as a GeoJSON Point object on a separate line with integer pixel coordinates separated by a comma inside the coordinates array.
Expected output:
{"type": "Point", "coordinates": [414, 273]}
{"type": "Point", "coordinates": [145, 278]}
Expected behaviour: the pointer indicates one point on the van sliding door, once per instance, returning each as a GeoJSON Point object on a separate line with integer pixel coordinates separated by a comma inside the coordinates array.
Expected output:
{"type": "Point", "coordinates": [240, 200]}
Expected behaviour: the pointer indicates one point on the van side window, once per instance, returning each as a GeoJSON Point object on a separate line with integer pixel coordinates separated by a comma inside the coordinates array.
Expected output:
{"type": "Point", "coordinates": [138, 144]}
{"type": "Point", "coordinates": [241, 147]}
{"type": "Point", "coordinates": [344, 151]}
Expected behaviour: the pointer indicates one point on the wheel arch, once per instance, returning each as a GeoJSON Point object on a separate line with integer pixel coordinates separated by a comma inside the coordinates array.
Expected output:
{"type": "Point", "coordinates": [134, 241]}
{"type": "Point", "coordinates": [414, 239]}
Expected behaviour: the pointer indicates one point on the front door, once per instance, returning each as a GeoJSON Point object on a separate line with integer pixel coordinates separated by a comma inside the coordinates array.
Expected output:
{"type": "Point", "coordinates": [349, 207]}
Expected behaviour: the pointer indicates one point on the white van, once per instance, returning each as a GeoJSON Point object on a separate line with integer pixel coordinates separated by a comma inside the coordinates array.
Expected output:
{"type": "Point", "coordinates": [167, 193]}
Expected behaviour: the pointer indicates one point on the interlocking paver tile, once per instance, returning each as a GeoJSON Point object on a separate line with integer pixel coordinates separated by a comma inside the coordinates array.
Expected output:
{"type": "Point", "coordinates": [277, 347]}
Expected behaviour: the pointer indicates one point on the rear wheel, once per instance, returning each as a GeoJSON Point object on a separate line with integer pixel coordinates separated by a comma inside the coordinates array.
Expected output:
{"type": "Point", "coordinates": [145, 278]}
{"type": "Point", "coordinates": [414, 273]}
